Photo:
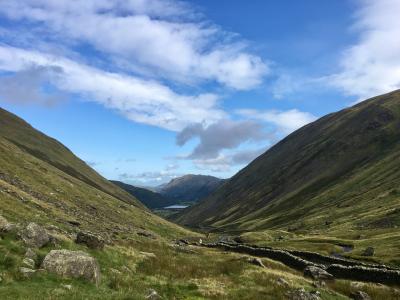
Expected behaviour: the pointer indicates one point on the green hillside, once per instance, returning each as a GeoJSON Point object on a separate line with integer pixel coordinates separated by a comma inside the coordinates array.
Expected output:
{"type": "Point", "coordinates": [42, 180]}
{"type": "Point", "coordinates": [338, 176]}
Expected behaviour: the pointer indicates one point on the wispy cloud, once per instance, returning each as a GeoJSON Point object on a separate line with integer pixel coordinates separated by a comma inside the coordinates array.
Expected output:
{"type": "Point", "coordinates": [143, 101]}
{"type": "Point", "coordinates": [372, 65]}
{"type": "Point", "coordinates": [284, 121]}
{"type": "Point", "coordinates": [166, 36]}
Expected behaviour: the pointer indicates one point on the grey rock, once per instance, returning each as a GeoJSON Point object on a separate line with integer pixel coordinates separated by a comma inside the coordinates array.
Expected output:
{"type": "Point", "coordinates": [360, 295]}
{"type": "Point", "coordinates": [301, 294]}
{"type": "Point", "coordinates": [73, 264]}
{"type": "Point", "coordinates": [27, 272]}
{"type": "Point", "coordinates": [282, 282]}
{"type": "Point", "coordinates": [30, 254]}
{"type": "Point", "coordinates": [257, 262]}
{"type": "Point", "coordinates": [89, 239]}
{"type": "Point", "coordinates": [6, 226]}
{"type": "Point", "coordinates": [146, 234]}
{"type": "Point", "coordinates": [35, 236]}
{"type": "Point", "coordinates": [29, 263]}
{"type": "Point", "coordinates": [153, 295]}
{"type": "Point", "coordinates": [67, 286]}
{"type": "Point", "coordinates": [317, 273]}
{"type": "Point", "coordinates": [368, 251]}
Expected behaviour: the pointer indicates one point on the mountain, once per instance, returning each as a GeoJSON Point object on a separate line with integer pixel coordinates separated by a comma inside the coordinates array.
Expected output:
{"type": "Point", "coordinates": [190, 188]}
{"type": "Point", "coordinates": [338, 174]}
{"type": "Point", "coordinates": [41, 180]}
{"type": "Point", "coordinates": [149, 198]}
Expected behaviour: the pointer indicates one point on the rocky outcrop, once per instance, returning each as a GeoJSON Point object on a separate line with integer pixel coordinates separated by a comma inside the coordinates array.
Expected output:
{"type": "Point", "coordinates": [369, 251]}
{"type": "Point", "coordinates": [301, 294]}
{"type": "Point", "coordinates": [360, 295]}
{"type": "Point", "coordinates": [89, 239]}
{"type": "Point", "coordinates": [35, 236]}
{"type": "Point", "coordinates": [6, 226]}
{"type": "Point", "coordinates": [317, 273]}
{"type": "Point", "coordinates": [73, 264]}
{"type": "Point", "coordinates": [27, 272]}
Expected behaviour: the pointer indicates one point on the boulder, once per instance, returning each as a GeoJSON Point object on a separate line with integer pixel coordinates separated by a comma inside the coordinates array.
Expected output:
{"type": "Point", "coordinates": [301, 294]}
{"type": "Point", "coordinates": [72, 264]}
{"type": "Point", "coordinates": [30, 254]}
{"type": "Point", "coordinates": [282, 282]}
{"type": "Point", "coordinates": [360, 295]}
{"type": "Point", "coordinates": [35, 236]}
{"type": "Point", "coordinates": [26, 272]}
{"type": "Point", "coordinates": [317, 273]}
{"type": "Point", "coordinates": [29, 263]}
{"type": "Point", "coordinates": [153, 295]}
{"type": "Point", "coordinates": [368, 251]}
{"type": "Point", "coordinates": [6, 226]}
{"type": "Point", "coordinates": [89, 239]}
{"type": "Point", "coordinates": [257, 262]}
{"type": "Point", "coordinates": [146, 234]}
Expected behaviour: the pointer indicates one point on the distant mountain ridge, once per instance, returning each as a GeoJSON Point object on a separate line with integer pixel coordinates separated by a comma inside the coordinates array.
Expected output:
{"type": "Point", "coordinates": [341, 171]}
{"type": "Point", "coordinates": [190, 188]}
{"type": "Point", "coordinates": [182, 190]}
{"type": "Point", "coordinates": [150, 199]}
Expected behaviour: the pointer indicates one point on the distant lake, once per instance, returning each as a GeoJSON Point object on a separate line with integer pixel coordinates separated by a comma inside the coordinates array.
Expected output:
{"type": "Point", "coordinates": [176, 206]}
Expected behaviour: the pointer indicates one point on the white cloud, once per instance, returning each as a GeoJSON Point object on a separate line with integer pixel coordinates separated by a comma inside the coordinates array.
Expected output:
{"type": "Point", "coordinates": [143, 101]}
{"type": "Point", "coordinates": [285, 121]}
{"type": "Point", "coordinates": [163, 35]}
{"type": "Point", "coordinates": [372, 65]}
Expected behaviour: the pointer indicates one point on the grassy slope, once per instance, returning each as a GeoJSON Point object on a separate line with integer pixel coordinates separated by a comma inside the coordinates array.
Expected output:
{"type": "Point", "coordinates": [149, 198]}
{"type": "Point", "coordinates": [32, 189]}
{"type": "Point", "coordinates": [338, 176]}
{"type": "Point", "coordinates": [54, 153]}
{"type": "Point", "coordinates": [38, 188]}
{"type": "Point", "coordinates": [41, 180]}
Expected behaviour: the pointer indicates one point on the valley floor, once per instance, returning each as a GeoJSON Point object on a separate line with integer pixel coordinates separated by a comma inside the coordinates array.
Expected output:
{"type": "Point", "coordinates": [140, 267]}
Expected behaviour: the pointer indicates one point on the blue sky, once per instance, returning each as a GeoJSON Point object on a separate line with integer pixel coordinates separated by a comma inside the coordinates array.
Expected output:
{"type": "Point", "coordinates": [145, 91]}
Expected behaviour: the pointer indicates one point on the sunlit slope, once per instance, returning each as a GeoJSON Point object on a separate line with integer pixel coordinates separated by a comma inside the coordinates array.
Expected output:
{"type": "Point", "coordinates": [49, 150]}
{"type": "Point", "coordinates": [42, 181]}
{"type": "Point", "coordinates": [342, 169]}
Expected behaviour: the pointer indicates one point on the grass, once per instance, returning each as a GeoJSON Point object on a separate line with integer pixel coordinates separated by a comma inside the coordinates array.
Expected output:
{"type": "Point", "coordinates": [127, 273]}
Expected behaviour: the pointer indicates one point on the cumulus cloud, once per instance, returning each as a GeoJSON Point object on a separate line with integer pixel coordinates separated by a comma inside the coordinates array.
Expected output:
{"type": "Point", "coordinates": [143, 101]}
{"type": "Point", "coordinates": [372, 65]}
{"type": "Point", "coordinates": [224, 162]}
{"type": "Point", "coordinates": [166, 36]}
{"type": "Point", "coordinates": [284, 121]}
{"type": "Point", "coordinates": [224, 134]}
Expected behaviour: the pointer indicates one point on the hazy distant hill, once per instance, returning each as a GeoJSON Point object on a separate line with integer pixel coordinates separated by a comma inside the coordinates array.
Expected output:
{"type": "Point", "coordinates": [149, 198]}
{"type": "Point", "coordinates": [190, 188]}
{"type": "Point", "coordinates": [341, 171]}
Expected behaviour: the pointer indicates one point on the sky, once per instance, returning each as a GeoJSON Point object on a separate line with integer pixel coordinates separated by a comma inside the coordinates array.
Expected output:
{"type": "Point", "coordinates": [148, 90]}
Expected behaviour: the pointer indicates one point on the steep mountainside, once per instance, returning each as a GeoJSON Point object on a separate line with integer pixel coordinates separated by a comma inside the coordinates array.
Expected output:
{"type": "Point", "coordinates": [341, 171]}
{"type": "Point", "coordinates": [149, 198]}
{"type": "Point", "coordinates": [42, 181]}
{"type": "Point", "coordinates": [190, 188]}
